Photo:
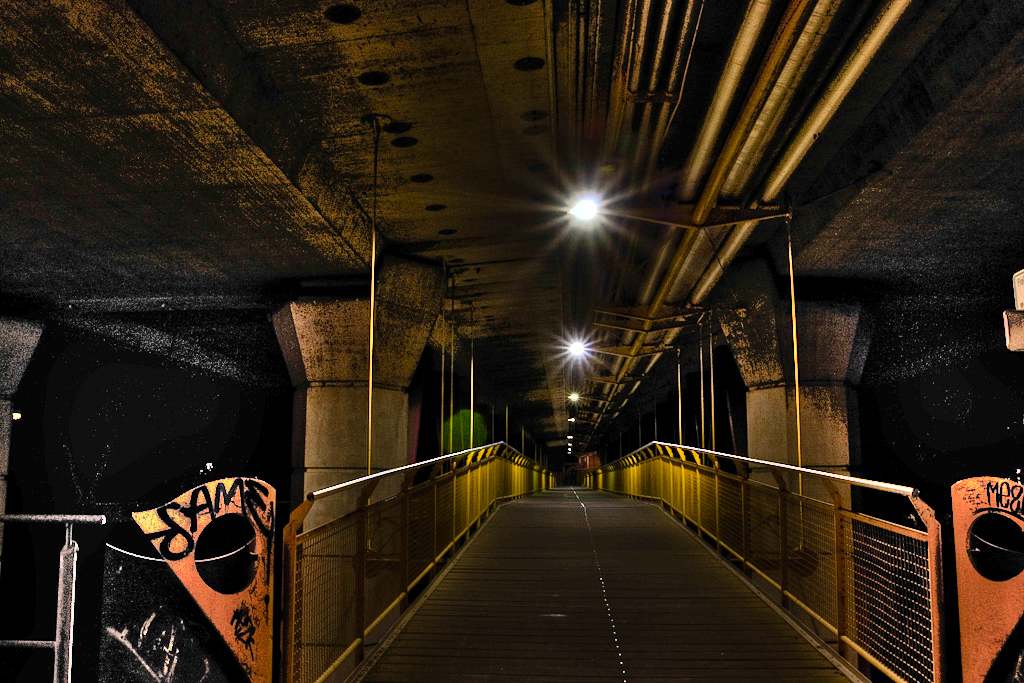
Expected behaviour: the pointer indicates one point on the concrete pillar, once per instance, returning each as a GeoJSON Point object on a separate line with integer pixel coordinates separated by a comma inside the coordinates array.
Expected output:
{"type": "Point", "coordinates": [18, 340]}
{"type": "Point", "coordinates": [833, 347]}
{"type": "Point", "coordinates": [326, 346]}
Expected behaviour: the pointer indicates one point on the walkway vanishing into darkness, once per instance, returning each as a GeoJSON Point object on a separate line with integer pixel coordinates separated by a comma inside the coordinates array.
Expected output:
{"type": "Point", "coordinates": [581, 585]}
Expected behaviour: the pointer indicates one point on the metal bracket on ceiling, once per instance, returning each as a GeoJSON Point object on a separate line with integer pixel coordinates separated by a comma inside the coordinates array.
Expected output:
{"type": "Point", "coordinates": [664, 313]}
{"type": "Point", "coordinates": [610, 379]}
{"type": "Point", "coordinates": [627, 351]}
{"type": "Point", "coordinates": [681, 215]}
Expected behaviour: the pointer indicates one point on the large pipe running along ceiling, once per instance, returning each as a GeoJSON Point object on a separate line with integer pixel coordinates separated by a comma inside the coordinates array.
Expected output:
{"type": "Point", "coordinates": [686, 267]}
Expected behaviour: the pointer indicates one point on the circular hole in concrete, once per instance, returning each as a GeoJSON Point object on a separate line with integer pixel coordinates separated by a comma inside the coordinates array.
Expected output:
{"type": "Point", "coordinates": [225, 554]}
{"type": "Point", "coordinates": [404, 142]}
{"type": "Point", "coordinates": [456, 259]}
{"type": "Point", "coordinates": [538, 129]}
{"type": "Point", "coordinates": [436, 207]}
{"type": "Point", "coordinates": [529, 63]}
{"type": "Point", "coordinates": [397, 127]}
{"type": "Point", "coordinates": [343, 14]}
{"type": "Point", "coordinates": [373, 78]}
{"type": "Point", "coordinates": [447, 231]}
{"type": "Point", "coordinates": [422, 178]}
{"type": "Point", "coordinates": [995, 544]}
{"type": "Point", "coordinates": [534, 115]}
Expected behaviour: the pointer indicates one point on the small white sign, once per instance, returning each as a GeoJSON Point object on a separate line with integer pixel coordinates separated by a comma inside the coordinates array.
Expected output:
{"type": "Point", "coordinates": [1018, 290]}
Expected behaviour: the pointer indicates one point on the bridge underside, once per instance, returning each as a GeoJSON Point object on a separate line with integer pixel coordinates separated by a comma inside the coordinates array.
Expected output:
{"type": "Point", "coordinates": [576, 584]}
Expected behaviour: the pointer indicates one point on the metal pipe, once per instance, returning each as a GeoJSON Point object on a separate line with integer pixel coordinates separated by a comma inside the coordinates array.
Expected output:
{"type": "Point", "coordinates": [796, 17]}
{"type": "Point", "coordinates": [840, 86]}
{"type": "Point", "coordinates": [782, 91]}
{"type": "Point", "coordinates": [697, 163]}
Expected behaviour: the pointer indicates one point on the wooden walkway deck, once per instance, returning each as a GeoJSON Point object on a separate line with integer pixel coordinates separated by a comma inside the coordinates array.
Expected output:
{"type": "Point", "coordinates": [578, 585]}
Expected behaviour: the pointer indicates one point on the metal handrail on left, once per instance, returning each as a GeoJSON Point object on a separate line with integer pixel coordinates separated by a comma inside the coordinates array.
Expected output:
{"type": "Point", "coordinates": [62, 644]}
{"type": "Point", "coordinates": [345, 577]}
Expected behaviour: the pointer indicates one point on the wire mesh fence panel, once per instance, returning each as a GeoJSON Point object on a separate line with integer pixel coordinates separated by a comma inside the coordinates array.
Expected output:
{"type": "Point", "coordinates": [811, 555]}
{"type": "Point", "coordinates": [764, 552]}
{"type": "Point", "coordinates": [730, 515]}
{"type": "Point", "coordinates": [421, 529]}
{"type": "Point", "coordinates": [385, 555]}
{"type": "Point", "coordinates": [325, 609]}
{"type": "Point", "coordinates": [891, 588]}
{"type": "Point", "coordinates": [692, 493]}
{"type": "Point", "coordinates": [444, 522]}
{"type": "Point", "coordinates": [708, 509]}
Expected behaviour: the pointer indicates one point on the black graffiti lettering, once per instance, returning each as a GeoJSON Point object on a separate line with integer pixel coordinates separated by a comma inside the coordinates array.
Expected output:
{"type": "Point", "coordinates": [990, 488]}
{"type": "Point", "coordinates": [173, 531]}
{"type": "Point", "coordinates": [1014, 503]}
{"type": "Point", "coordinates": [223, 496]}
{"type": "Point", "coordinates": [256, 506]}
{"type": "Point", "coordinates": [195, 507]}
{"type": "Point", "coordinates": [245, 627]}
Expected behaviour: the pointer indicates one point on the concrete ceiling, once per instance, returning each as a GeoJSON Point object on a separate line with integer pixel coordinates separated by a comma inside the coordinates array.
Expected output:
{"type": "Point", "coordinates": [217, 155]}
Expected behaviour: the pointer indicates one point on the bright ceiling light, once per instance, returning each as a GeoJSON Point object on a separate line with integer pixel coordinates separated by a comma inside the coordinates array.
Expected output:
{"type": "Point", "coordinates": [572, 419]}
{"type": "Point", "coordinates": [569, 437]}
{"type": "Point", "coordinates": [585, 209]}
{"type": "Point", "coordinates": [574, 396]}
{"type": "Point", "coordinates": [577, 348]}
{"type": "Point", "coordinates": [15, 416]}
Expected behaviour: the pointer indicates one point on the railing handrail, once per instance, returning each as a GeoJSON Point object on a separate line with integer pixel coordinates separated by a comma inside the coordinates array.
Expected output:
{"type": "Point", "coordinates": [897, 489]}
{"type": "Point", "coordinates": [330, 490]}
{"type": "Point", "coordinates": [58, 519]}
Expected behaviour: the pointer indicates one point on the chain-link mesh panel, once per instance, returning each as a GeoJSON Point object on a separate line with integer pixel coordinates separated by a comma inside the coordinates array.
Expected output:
{"type": "Point", "coordinates": [890, 587]}
{"type": "Point", "coordinates": [690, 486]}
{"type": "Point", "coordinates": [461, 501]}
{"type": "Point", "coordinates": [385, 555]}
{"type": "Point", "coordinates": [325, 609]}
{"type": "Point", "coordinates": [811, 556]}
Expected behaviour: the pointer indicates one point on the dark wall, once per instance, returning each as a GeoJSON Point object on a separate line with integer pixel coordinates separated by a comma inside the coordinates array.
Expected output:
{"type": "Point", "coordinates": [108, 429]}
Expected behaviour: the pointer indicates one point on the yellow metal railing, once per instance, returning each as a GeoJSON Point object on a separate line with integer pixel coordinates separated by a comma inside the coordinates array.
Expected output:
{"type": "Point", "coordinates": [342, 579]}
{"type": "Point", "coordinates": [873, 586]}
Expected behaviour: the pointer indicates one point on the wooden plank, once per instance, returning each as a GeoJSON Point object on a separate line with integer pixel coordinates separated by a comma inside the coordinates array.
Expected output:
{"type": "Point", "coordinates": [578, 585]}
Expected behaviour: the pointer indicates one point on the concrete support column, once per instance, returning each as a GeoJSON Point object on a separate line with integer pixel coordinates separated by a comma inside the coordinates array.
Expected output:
{"type": "Point", "coordinates": [326, 346]}
{"type": "Point", "coordinates": [18, 340]}
{"type": "Point", "coordinates": [833, 346]}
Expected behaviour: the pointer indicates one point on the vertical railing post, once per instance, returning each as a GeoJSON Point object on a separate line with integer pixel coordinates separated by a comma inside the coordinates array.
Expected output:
{"type": "Point", "coordinates": [718, 504]}
{"type": "Point", "coordinates": [936, 597]}
{"type": "Point", "coordinates": [780, 481]}
{"type": "Point", "coordinates": [842, 603]}
{"type": "Point", "coordinates": [359, 566]}
{"type": "Point", "coordinates": [744, 472]}
{"type": "Point", "coordinates": [290, 590]}
{"type": "Point", "coordinates": [406, 536]}
{"type": "Point", "coordinates": [433, 517]}
{"type": "Point", "coordinates": [65, 608]}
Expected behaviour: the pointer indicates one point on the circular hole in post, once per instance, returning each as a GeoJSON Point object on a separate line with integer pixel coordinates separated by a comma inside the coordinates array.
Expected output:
{"type": "Point", "coordinates": [422, 178]}
{"type": "Point", "coordinates": [529, 63]}
{"type": "Point", "coordinates": [436, 207]}
{"type": "Point", "coordinates": [373, 78]}
{"type": "Point", "coordinates": [404, 142]}
{"type": "Point", "coordinates": [995, 544]}
{"type": "Point", "coordinates": [225, 554]}
{"type": "Point", "coordinates": [343, 14]}
{"type": "Point", "coordinates": [447, 231]}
